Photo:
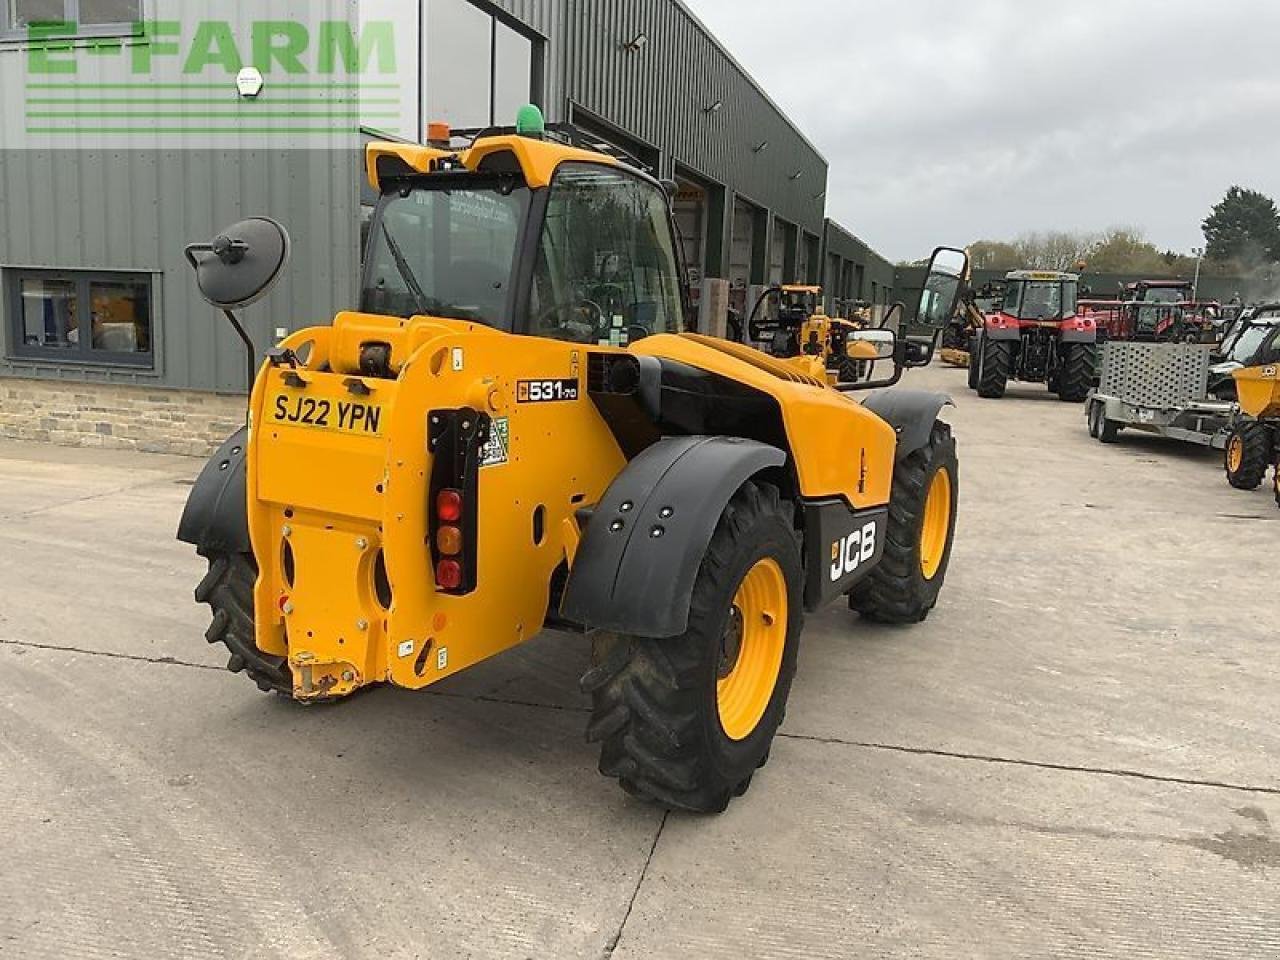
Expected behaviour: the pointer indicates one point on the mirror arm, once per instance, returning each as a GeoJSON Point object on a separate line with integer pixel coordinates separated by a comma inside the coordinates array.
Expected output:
{"type": "Point", "coordinates": [250, 350]}
{"type": "Point", "coordinates": [898, 307]}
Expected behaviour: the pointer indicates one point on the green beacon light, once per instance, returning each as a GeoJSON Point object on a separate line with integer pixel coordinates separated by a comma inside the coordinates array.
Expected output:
{"type": "Point", "coordinates": [530, 122]}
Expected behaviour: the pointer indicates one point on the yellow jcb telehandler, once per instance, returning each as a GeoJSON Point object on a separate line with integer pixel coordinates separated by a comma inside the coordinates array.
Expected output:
{"type": "Point", "coordinates": [517, 431]}
{"type": "Point", "coordinates": [1254, 442]}
{"type": "Point", "coordinates": [801, 333]}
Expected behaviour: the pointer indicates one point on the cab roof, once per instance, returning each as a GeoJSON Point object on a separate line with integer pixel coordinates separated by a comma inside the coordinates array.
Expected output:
{"type": "Point", "coordinates": [1042, 275]}
{"type": "Point", "coordinates": [536, 160]}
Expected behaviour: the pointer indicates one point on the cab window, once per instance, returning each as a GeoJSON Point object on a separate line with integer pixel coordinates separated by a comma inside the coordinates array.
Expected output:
{"type": "Point", "coordinates": [606, 270]}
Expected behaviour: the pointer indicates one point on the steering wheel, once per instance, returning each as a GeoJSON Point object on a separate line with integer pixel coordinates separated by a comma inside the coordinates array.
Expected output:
{"type": "Point", "coordinates": [611, 295]}
{"type": "Point", "coordinates": [591, 328]}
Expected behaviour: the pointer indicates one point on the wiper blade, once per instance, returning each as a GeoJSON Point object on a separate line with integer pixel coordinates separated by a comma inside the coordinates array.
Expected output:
{"type": "Point", "coordinates": [406, 272]}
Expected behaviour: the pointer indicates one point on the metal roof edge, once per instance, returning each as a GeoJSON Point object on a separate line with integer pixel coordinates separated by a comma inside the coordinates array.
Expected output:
{"type": "Point", "coordinates": [746, 75]}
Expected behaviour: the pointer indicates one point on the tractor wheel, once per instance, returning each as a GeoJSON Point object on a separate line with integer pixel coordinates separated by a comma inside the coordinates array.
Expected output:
{"type": "Point", "coordinates": [922, 523]}
{"type": "Point", "coordinates": [1275, 481]}
{"type": "Point", "coordinates": [994, 361]}
{"type": "Point", "coordinates": [228, 589]}
{"type": "Point", "coordinates": [1075, 379]}
{"type": "Point", "coordinates": [685, 722]}
{"type": "Point", "coordinates": [1248, 455]}
{"type": "Point", "coordinates": [973, 364]}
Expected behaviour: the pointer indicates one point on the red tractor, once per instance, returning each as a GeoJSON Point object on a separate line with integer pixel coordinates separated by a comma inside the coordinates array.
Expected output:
{"type": "Point", "coordinates": [1155, 311]}
{"type": "Point", "coordinates": [1036, 336]}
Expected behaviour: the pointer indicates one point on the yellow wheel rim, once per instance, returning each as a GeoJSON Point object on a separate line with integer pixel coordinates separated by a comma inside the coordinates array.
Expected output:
{"type": "Point", "coordinates": [751, 650]}
{"type": "Point", "coordinates": [937, 524]}
{"type": "Point", "coordinates": [1235, 454]}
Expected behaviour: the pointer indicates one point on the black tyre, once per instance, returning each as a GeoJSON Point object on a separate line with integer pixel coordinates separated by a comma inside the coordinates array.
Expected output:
{"type": "Point", "coordinates": [228, 590]}
{"type": "Point", "coordinates": [685, 722]}
{"type": "Point", "coordinates": [1079, 361]}
{"type": "Point", "coordinates": [1095, 419]}
{"type": "Point", "coordinates": [1108, 430]}
{"type": "Point", "coordinates": [904, 588]}
{"type": "Point", "coordinates": [994, 362]}
{"type": "Point", "coordinates": [973, 364]}
{"type": "Point", "coordinates": [1248, 455]}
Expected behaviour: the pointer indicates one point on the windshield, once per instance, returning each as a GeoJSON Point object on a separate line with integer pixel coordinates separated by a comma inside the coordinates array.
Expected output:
{"type": "Point", "coordinates": [1165, 295]}
{"type": "Point", "coordinates": [1040, 300]}
{"type": "Point", "coordinates": [445, 252]}
{"type": "Point", "coordinates": [1250, 340]}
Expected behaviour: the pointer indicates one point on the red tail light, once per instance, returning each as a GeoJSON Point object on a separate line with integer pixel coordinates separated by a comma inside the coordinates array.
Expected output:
{"type": "Point", "coordinates": [449, 574]}
{"type": "Point", "coordinates": [449, 506]}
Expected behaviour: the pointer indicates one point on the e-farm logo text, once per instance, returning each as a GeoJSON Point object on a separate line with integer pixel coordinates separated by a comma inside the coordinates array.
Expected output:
{"type": "Point", "coordinates": [170, 76]}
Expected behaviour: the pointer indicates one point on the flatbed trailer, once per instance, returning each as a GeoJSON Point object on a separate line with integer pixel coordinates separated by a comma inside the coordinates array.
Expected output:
{"type": "Point", "coordinates": [1161, 389]}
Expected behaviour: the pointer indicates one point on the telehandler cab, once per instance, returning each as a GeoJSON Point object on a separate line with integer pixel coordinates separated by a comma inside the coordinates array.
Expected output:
{"type": "Point", "coordinates": [515, 431]}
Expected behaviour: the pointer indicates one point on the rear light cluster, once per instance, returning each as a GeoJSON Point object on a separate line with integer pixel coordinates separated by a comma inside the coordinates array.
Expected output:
{"type": "Point", "coordinates": [450, 542]}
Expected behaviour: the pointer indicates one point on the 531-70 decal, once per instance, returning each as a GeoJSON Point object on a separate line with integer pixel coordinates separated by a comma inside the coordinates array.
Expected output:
{"type": "Point", "coordinates": [547, 391]}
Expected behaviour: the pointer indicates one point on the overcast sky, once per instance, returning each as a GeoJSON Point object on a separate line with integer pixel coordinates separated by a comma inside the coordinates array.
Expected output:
{"type": "Point", "coordinates": [983, 119]}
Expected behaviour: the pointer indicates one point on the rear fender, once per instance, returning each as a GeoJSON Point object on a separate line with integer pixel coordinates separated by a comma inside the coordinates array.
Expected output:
{"type": "Point", "coordinates": [1002, 334]}
{"type": "Point", "coordinates": [911, 413]}
{"type": "Point", "coordinates": [635, 568]}
{"type": "Point", "coordinates": [216, 518]}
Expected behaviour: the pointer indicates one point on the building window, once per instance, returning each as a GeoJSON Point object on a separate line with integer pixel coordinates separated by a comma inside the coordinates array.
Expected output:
{"type": "Point", "coordinates": [84, 18]}
{"type": "Point", "coordinates": [478, 70]}
{"type": "Point", "coordinates": [81, 317]}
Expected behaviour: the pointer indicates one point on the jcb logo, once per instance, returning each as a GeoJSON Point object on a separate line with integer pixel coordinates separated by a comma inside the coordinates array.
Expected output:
{"type": "Point", "coordinates": [853, 551]}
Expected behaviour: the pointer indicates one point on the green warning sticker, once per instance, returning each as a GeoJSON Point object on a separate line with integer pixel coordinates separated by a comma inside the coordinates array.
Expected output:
{"type": "Point", "coordinates": [496, 450]}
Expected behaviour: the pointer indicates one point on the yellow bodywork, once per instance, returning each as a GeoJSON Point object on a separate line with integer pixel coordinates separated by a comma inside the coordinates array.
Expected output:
{"type": "Point", "coordinates": [1259, 390]}
{"type": "Point", "coordinates": [333, 498]}
{"type": "Point", "coordinates": [538, 159]}
{"type": "Point", "coordinates": [339, 473]}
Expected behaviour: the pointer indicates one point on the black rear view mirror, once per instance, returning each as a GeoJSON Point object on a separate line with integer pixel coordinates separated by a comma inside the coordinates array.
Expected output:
{"type": "Point", "coordinates": [943, 284]}
{"type": "Point", "coordinates": [238, 268]}
{"type": "Point", "coordinates": [241, 265]}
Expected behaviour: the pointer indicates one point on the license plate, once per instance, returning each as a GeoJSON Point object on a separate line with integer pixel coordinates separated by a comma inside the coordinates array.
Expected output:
{"type": "Point", "coordinates": [341, 416]}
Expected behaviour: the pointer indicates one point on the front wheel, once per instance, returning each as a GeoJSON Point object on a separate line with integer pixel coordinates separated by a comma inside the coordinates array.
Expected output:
{"type": "Point", "coordinates": [686, 721]}
{"type": "Point", "coordinates": [904, 588]}
{"type": "Point", "coordinates": [1247, 455]}
{"type": "Point", "coordinates": [228, 590]}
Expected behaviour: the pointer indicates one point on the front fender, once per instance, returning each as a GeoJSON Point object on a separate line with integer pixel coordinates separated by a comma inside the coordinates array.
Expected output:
{"type": "Point", "coordinates": [912, 413]}
{"type": "Point", "coordinates": [635, 568]}
{"type": "Point", "coordinates": [216, 517]}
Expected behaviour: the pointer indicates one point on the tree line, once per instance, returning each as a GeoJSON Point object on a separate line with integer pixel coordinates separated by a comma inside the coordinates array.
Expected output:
{"type": "Point", "coordinates": [1242, 236]}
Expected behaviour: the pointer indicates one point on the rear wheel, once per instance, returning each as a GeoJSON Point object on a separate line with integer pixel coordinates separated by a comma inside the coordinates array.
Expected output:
{"type": "Point", "coordinates": [973, 364]}
{"type": "Point", "coordinates": [994, 362]}
{"type": "Point", "coordinates": [1075, 379]}
{"type": "Point", "coordinates": [904, 587]}
{"type": "Point", "coordinates": [1095, 419]}
{"type": "Point", "coordinates": [228, 590]}
{"type": "Point", "coordinates": [1247, 456]}
{"type": "Point", "coordinates": [685, 722]}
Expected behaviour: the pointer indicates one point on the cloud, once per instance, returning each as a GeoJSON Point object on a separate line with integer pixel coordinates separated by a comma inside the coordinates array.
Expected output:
{"type": "Point", "coordinates": [949, 122]}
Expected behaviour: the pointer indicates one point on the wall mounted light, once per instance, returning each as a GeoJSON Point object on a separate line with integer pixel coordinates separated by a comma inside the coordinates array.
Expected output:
{"type": "Point", "coordinates": [637, 43]}
{"type": "Point", "coordinates": [714, 108]}
{"type": "Point", "coordinates": [820, 196]}
{"type": "Point", "coordinates": [797, 175]}
{"type": "Point", "coordinates": [760, 147]}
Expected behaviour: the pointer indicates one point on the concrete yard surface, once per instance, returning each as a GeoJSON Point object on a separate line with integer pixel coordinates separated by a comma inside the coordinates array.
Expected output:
{"type": "Point", "coordinates": [1077, 755]}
